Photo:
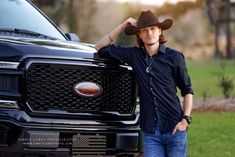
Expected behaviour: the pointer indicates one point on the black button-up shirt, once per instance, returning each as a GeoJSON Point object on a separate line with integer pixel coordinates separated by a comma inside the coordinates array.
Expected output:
{"type": "Point", "coordinates": [158, 78]}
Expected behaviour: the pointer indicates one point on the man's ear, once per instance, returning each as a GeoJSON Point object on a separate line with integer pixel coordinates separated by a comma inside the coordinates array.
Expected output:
{"type": "Point", "coordinates": [138, 33]}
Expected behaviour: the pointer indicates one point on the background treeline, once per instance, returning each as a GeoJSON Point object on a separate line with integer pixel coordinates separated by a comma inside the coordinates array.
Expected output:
{"type": "Point", "coordinates": [192, 32]}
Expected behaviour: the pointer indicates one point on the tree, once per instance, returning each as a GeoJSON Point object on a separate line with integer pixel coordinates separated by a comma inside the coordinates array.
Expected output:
{"type": "Point", "coordinates": [76, 15]}
{"type": "Point", "coordinates": [85, 12]}
{"type": "Point", "coordinates": [219, 13]}
{"type": "Point", "coordinates": [123, 39]}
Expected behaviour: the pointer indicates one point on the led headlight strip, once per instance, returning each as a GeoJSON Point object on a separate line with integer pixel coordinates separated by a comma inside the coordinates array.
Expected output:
{"type": "Point", "coordinates": [8, 104]}
{"type": "Point", "coordinates": [9, 65]}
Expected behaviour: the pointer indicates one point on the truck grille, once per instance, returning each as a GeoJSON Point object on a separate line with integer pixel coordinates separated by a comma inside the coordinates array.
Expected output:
{"type": "Point", "coordinates": [50, 87]}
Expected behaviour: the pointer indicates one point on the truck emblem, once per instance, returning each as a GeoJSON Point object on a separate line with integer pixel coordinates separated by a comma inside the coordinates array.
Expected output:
{"type": "Point", "coordinates": [87, 89]}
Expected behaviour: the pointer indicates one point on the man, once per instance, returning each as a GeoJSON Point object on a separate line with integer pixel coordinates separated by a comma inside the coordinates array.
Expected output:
{"type": "Point", "coordinates": [158, 70]}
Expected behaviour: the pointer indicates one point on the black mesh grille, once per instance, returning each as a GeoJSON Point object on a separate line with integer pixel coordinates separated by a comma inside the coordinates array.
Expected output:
{"type": "Point", "coordinates": [3, 136]}
{"type": "Point", "coordinates": [50, 87]}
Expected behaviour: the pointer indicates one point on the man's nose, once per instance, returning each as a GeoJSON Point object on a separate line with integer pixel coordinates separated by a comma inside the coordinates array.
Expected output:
{"type": "Point", "coordinates": [149, 31]}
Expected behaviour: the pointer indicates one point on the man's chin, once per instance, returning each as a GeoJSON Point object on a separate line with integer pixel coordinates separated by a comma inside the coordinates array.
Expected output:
{"type": "Point", "coordinates": [150, 44]}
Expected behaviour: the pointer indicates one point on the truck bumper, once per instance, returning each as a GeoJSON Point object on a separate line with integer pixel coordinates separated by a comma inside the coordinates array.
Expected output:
{"type": "Point", "coordinates": [30, 139]}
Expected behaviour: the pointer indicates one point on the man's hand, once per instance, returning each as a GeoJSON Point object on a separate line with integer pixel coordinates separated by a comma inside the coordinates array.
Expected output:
{"type": "Point", "coordinates": [109, 37]}
{"type": "Point", "coordinates": [181, 126]}
{"type": "Point", "coordinates": [129, 22]}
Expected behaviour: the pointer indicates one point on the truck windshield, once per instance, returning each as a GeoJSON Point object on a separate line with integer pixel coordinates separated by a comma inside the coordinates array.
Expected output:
{"type": "Point", "coordinates": [20, 14]}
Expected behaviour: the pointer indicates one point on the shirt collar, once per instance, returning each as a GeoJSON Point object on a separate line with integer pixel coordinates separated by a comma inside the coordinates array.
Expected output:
{"type": "Point", "coordinates": [162, 48]}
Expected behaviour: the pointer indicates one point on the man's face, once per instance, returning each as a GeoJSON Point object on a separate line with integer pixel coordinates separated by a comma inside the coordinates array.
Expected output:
{"type": "Point", "coordinates": [150, 35]}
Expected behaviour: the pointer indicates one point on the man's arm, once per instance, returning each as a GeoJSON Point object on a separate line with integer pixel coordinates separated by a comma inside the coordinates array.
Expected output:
{"type": "Point", "coordinates": [108, 38]}
{"type": "Point", "coordinates": [187, 104]}
{"type": "Point", "coordinates": [187, 108]}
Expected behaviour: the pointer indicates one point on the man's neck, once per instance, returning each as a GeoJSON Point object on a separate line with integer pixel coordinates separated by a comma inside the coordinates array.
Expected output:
{"type": "Point", "coordinates": [152, 49]}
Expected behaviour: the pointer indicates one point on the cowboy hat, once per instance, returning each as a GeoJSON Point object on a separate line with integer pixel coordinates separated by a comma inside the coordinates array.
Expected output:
{"type": "Point", "coordinates": [147, 18]}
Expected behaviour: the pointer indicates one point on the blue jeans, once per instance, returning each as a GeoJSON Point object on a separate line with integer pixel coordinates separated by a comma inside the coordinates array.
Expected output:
{"type": "Point", "coordinates": [165, 145]}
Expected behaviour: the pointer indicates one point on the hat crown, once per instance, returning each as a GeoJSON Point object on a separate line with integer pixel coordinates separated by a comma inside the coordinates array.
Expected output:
{"type": "Point", "coordinates": [147, 18]}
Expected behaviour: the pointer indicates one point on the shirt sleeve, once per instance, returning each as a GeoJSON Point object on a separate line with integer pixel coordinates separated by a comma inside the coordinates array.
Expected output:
{"type": "Point", "coordinates": [123, 54]}
{"type": "Point", "coordinates": [182, 78]}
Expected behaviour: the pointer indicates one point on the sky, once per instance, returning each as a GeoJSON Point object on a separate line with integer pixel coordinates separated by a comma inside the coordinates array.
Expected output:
{"type": "Point", "coordinates": [152, 2]}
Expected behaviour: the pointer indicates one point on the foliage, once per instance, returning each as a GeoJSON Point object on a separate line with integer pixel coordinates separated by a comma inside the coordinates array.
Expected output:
{"type": "Point", "coordinates": [190, 33]}
{"type": "Point", "coordinates": [76, 16]}
{"type": "Point", "coordinates": [130, 12]}
{"type": "Point", "coordinates": [225, 82]}
{"type": "Point", "coordinates": [204, 76]}
{"type": "Point", "coordinates": [44, 2]}
{"type": "Point", "coordinates": [219, 14]}
{"type": "Point", "coordinates": [179, 9]}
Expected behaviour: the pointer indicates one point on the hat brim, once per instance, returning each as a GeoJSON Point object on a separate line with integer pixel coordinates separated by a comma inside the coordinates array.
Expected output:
{"type": "Point", "coordinates": [131, 30]}
{"type": "Point", "coordinates": [166, 24]}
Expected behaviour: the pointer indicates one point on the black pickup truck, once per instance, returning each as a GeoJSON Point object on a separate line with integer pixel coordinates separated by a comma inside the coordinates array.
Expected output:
{"type": "Point", "coordinates": [58, 97]}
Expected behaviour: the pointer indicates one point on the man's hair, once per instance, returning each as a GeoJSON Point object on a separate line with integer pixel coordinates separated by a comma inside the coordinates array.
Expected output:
{"type": "Point", "coordinates": [140, 42]}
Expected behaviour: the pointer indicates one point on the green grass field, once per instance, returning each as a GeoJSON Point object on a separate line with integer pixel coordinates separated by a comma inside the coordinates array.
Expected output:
{"type": "Point", "coordinates": [204, 76]}
{"type": "Point", "coordinates": [212, 135]}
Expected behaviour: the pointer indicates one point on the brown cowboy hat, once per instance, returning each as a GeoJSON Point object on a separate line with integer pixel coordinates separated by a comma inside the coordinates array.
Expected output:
{"type": "Point", "coordinates": [147, 18]}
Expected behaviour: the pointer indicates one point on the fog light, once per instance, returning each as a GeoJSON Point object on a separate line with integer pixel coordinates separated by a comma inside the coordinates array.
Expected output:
{"type": "Point", "coordinates": [8, 104]}
{"type": "Point", "coordinates": [128, 141]}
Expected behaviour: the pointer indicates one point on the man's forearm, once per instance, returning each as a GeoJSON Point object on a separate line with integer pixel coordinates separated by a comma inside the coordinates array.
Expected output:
{"type": "Point", "coordinates": [109, 37]}
{"type": "Point", "coordinates": [187, 104]}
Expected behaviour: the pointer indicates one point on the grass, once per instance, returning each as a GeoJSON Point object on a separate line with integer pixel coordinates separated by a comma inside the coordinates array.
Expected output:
{"type": "Point", "coordinates": [204, 76]}
{"type": "Point", "coordinates": [212, 135]}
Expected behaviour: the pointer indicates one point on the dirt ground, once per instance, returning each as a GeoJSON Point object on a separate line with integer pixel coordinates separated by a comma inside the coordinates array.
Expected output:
{"type": "Point", "coordinates": [214, 105]}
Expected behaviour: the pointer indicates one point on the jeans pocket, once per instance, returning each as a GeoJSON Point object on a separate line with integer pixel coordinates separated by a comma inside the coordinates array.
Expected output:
{"type": "Point", "coordinates": [181, 135]}
{"type": "Point", "coordinates": [182, 130]}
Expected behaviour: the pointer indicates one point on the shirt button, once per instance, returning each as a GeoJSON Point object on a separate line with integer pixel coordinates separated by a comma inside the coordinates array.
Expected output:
{"type": "Point", "coordinates": [151, 88]}
{"type": "Point", "coordinates": [151, 78]}
{"type": "Point", "coordinates": [156, 108]}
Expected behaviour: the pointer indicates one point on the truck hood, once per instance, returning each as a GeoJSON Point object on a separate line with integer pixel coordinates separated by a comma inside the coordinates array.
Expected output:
{"type": "Point", "coordinates": [18, 50]}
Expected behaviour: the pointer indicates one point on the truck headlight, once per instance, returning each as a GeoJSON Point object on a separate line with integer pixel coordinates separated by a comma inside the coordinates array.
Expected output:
{"type": "Point", "coordinates": [8, 104]}
{"type": "Point", "coordinates": [8, 65]}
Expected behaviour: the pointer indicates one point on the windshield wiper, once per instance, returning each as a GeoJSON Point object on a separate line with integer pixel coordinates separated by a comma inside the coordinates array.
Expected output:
{"type": "Point", "coordinates": [27, 32]}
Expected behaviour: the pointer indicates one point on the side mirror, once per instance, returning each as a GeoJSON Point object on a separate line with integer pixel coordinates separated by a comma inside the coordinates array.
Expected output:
{"type": "Point", "coordinates": [72, 37]}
